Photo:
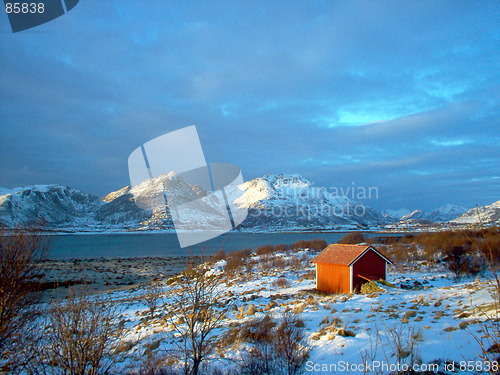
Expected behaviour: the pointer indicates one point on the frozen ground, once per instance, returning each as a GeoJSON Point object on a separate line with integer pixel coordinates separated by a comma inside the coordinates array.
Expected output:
{"type": "Point", "coordinates": [439, 320]}
{"type": "Point", "coordinates": [104, 275]}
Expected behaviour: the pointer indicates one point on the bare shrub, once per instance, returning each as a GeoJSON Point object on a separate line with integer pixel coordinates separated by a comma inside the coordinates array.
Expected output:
{"type": "Point", "coordinates": [237, 259]}
{"type": "Point", "coordinates": [234, 263]}
{"type": "Point", "coordinates": [464, 251]}
{"type": "Point", "coordinates": [400, 254]}
{"type": "Point", "coordinates": [353, 238]}
{"type": "Point", "coordinates": [81, 335]}
{"type": "Point", "coordinates": [489, 245]}
{"type": "Point", "coordinates": [370, 352]}
{"type": "Point", "coordinates": [397, 342]}
{"type": "Point", "coordinates": [151, 295]}
{"type": "Point", "coordinates": [265, 249]}
{"type": "Point", "coordinates": [295, 263]}
{"type": "Point", "coordinates": [245, 253]}
{"type": "Point", "coordinates": [317, 244]}
{"type": "Point", "coordinates": [457, 260]}
{"type": "Point", "coordinates": [253, 330]}
{"type": "Point", "coordinates": [281, 247]}
{"type": "Point", "coordinates": [278, 348]}
{"type": "Point", "coordinates": [281, 282]}
{"type": "Point", "coordinates": [277, 263]}
{"type": "Point", "coordinates": [155, 365]}
{"type": "Point", "coordinates": [21, 252]}
{"type": "Point", "coordinates": [291, 344]}
{"type": "Point", "coordinates": [219, 255]}
{"type": "Point", "coordinates": [299, 245]}
{"type": "Point", "coordinates": [266, 263]}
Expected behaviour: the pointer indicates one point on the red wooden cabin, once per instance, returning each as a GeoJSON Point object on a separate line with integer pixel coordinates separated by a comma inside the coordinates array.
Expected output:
{"type": "Point", "coordinates": [344, 268]}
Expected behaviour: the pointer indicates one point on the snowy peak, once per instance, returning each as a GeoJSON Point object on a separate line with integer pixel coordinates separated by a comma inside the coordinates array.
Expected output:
{"type": "Point", "coordinates": [270, 186]}
{"type": "Point", "coordinates": [150, 193]}
{"type": "Point", "coordinates": [451, 209]}
{"type": "Point", "coordinates": [294, 202]}
{"type": "Point", "coordinates": [115, 194]}
{"type": "Point", "coordinates": [396, 214]}
{"type": "Point", "coordinates": [279, 190]}
{"type": "Point", "coordinates": [287, 181]}
{"type": "Point", "coordinates": [415, 215]}
{"type": "Point", "coordinates": [446, 213]}
{"type": "Point", "coordinates": [441, 214]}
{"type": "Point", "coordinates": [45, 205]}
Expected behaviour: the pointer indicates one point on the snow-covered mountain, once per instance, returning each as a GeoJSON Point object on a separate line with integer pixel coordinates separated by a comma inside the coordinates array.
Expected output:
{"type": "Point", "coordinates": [446, 213]}
{"type": "Point", "coordinates": [489, 214]}
{"type": "Point", "coordinates": [291, 201]}
{"type": "Point", "coordinates": [47, 205]}
{"type": "Point", "coordinates": [120, 210]}
{"type": "Point", "coordinates": [140, 207]}
{"type": "Point", "coordinates": [274, 202]}
{"type": "Point", "coordinates": [439, 215]}
{"type": "Point", "coordinates": [144, 205]}
{"type": "Point", "coordinates": [395, 214]}
{"type": "Point", "coordinates": [415, 216]}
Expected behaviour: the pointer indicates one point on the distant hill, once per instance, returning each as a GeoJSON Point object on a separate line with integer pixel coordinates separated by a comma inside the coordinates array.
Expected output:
{"type": "Point", "coordinates": [439, 215]}
{"type": "Point", "coordinates": [395, 215]}
{"type": "Point", "coordinates": [489, 214]}
{"type": "Point", "coordinates": [49, 205]}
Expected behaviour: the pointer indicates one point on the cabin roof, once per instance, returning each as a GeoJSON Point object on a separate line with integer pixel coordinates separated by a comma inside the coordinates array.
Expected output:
{"type": "Point", "coordinates": [344, 254]}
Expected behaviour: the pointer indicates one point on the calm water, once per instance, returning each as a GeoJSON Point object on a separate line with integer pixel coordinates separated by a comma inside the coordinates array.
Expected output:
{"type": "Point", "coordinates": [166, 244]}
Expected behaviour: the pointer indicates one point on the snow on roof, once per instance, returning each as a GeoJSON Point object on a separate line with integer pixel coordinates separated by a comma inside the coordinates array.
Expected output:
{"type": "Point", "coordinates": [344, 254]}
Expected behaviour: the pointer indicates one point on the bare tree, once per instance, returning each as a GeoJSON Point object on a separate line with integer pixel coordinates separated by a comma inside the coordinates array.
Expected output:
{"type": "Point", "coordinates": [198, 312]}
{"type": "Point", "coordinates": [151, 296]}
{"type": "Point", "coordinates": [291, 344]}
{"type": "Point", "coordinates": [81, 335]}
{"type": "Point", "coordinates": [20, 255]}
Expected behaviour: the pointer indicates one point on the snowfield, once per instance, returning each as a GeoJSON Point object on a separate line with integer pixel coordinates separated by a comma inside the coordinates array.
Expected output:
{"type": "Point", "coordinates": [437, 322]}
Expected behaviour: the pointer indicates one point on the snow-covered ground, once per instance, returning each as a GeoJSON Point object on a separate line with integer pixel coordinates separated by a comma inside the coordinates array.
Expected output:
{"type": "Point", "coordinates": [441, 320]}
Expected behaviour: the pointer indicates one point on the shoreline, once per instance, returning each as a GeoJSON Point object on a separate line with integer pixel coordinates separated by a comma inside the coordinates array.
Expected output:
{"type": "Point", "coordinates": [388, 229]}
{"type": "Point", "coordinates": [104, 275]}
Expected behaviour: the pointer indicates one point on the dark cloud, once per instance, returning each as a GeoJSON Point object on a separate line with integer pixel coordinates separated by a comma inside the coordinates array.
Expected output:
{"type": "Point", "coordinates": [398, 95]}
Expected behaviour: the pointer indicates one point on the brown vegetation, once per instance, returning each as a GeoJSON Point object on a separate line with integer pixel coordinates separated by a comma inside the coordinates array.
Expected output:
{"type": "Point", "coordinates": [353, 238]}
{"type": "Point", "coordinates": [20, 254]}
{"type": "Point", "coordinates": [277, 347]}
{"type": "Point", "coordinates": [465, 252]}
{"type": "Point", "coordinates": [80, 336]}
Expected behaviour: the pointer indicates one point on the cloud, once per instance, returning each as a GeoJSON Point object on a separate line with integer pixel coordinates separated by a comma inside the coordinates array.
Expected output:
{"type": "Point", "coordinates": [403, 95]}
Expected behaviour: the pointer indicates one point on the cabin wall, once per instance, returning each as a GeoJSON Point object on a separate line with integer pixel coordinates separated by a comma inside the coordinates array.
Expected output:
{"type": "Point", "coordinates": [333, 278]}
{"type": "Point", "coordinates": [371, 266]}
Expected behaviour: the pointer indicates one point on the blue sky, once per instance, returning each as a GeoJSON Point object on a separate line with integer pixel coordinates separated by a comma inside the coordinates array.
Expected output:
{"type": "Point", "coordinates": [400, 95]}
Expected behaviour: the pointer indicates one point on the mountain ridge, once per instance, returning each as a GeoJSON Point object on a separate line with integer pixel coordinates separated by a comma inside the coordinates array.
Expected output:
{"type": "Point", "coordinates": [275, 202]}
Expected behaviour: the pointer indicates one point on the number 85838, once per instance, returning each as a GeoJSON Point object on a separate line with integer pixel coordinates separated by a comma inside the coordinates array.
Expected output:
{"type": "Point", "coordinates": [24, 8]}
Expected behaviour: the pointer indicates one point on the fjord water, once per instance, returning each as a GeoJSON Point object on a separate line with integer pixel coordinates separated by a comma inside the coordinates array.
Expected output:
{"type": "Point", "coordinates": [136, 245]}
